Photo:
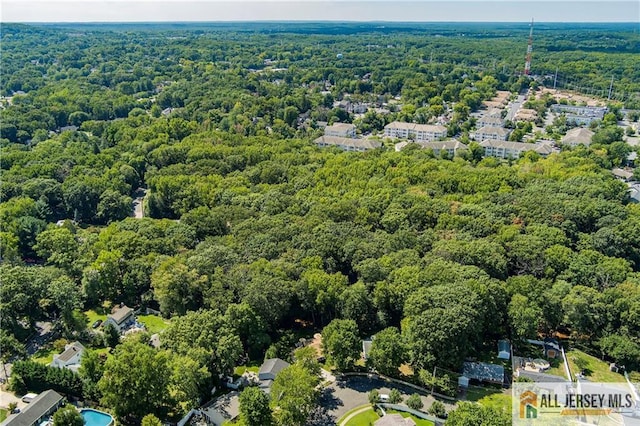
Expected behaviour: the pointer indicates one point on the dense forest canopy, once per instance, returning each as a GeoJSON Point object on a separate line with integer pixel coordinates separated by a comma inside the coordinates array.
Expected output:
{"type": "Point", "coordinates": [251, 230]}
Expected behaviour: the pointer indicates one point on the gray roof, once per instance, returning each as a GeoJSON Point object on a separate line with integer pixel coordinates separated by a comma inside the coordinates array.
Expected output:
{"type": "Point", "coordinates": [578, 136]}
{"type": "Point", "coordinates": [492, 130]}
{"type": "Point", "coordinates": [394, 420]}
{"type": "Point", "coordinates": [273, 366]}
{"type": "Point", "coordinates": [121, 314]}
{"type": "Point", "coordinates": [484, 372]}
{"type": "Point", "coordinates": [41, 405]}
{"type": "Point", "coordinates": [226, 407]}
{"type": "Point", "coordinates": [517, 146]}
{"type": "Point", "coordinates": [73, 349]}
{"type": "Point", "coordinates": [450, 144]}
{"type": "Point", "coordinates": [542, 377]}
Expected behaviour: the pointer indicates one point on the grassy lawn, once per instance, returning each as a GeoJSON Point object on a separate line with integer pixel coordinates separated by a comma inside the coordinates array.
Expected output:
{"type": "Point", "coordinates": [240, 370]}
{"type": "Point", "coordinates": [153, 323]}
{"type": "Point", "coordinates": [476, 393]}
{"type": "Point", "coordinates": [44, 355]}
{"type": "Point", "coordinates": [419, 421]}
{"type": "Point", "coordinates": [595, 369]}
{"type": "Point", "coordinates": [3, 414]}
{"type": "Point", "coordinates": [499, 401]}
{"type": "Point", "coordinates": [557, 367]}
{"type": "Point", "coordinates": [366, 418]}
{"type": "Point", "coordinates": [92, 316]}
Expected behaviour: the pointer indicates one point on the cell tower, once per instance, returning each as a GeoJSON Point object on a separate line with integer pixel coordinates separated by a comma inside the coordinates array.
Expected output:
{"type": "Point", "coordinates": [527, 64]}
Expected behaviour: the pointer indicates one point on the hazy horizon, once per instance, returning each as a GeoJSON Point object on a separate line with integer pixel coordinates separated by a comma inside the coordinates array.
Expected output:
{"type": "Point", "coordinates": [424, 11]}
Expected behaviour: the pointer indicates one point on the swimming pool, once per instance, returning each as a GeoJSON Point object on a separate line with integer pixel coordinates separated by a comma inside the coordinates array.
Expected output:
{"type": "Point", "coordinates": [96, 418]}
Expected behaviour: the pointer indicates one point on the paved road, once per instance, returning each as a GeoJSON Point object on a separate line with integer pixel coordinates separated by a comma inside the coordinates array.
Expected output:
{"type": "Point", "coordinates": [345, 395]}
{"type": "Point", "coordinates": [43, 335]}
{"type": "Point", "coordinates": [7, 398]}
{"type": "Point", "coordinates": [514, 107]}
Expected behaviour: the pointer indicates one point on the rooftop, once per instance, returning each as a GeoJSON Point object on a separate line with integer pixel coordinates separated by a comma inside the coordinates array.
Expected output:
{"type": "Point", "coordinates": [273, 366]}
{"type": "Point", "coordinates": [71, 350]}
{"type": "Point", "coordinates": [40, 406]}
{"type": "Point", "coordinates": [120, 314]}
{"type": "Point", "coordinates": [364, 143]}
{"type": "Point", "coordinates": [394, 420]}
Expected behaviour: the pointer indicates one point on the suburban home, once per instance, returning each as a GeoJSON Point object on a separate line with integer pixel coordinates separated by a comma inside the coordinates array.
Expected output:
{"type": "Point", "coordinates": [622, 174]}
{"type": "Point", "coordinates": [121, 318]}
{"type": "Point", "coordinates": [38, 410]}
{"type": "Point", "coordinates": [347, 144]}
{"type": "Point", "coordinates": [451, 147]}
{"type": "Point", "coordinates": [70, 358]}
{"type": "Point", "coordinates": [489, 121]}
{"type": "Point", "coordinates": [224, 409]}
{"type": "Point", "coordinates": [491, 133]}
{"type": "Point", "coordinates": [503, 149]}
{"type": "Point", "coordinates": [484, 372]}
{"type": "Point", "coordinates": [504, 349]}
{"type": "Point", "coordinates": [394, 420]}
{"type": "Point", "coordinates": [418, 132]}
{"type": "Point", "coordinates": [577, 136]}
{"type": "Point", "coordinates": [341, 130]}
{"type": "Point", "coordinates": [268, 372]}
{"type": "Point", "coordinates": [525, 114]}
{"type": "Point", "coordinates": [580, 114]}
{"type": "Point", "coordinates": [551, 348]}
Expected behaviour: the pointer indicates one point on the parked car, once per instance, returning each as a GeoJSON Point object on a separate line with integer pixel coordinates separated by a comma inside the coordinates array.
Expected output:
{"type": "Point", "coordinates": [96, 323]}
{"type": "Point", "coordinates": [29, 397]}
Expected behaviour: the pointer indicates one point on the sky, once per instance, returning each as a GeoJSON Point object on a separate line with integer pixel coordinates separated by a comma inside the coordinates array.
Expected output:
{"type": "Point", "coordinates": [315, 10]}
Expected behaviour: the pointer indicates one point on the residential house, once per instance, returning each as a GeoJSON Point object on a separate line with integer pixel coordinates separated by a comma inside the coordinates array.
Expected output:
{"type": "Point", "coordinates": [268, 372]}
{"type": "Point", "coordinates": [347, 144]}
{"type": "Point", "coordinates": [632, 158]}
{"type": "Point", "coordinates": [223, 410]}
{"type": "Point", "coordinates": [418, 132]}
{"type": "Point", "coordinates": [525, 114]}
{"type": "Point", "coordinates": [503, 149]}
{"type": "Point", "coordinates": [484, 372]}
{"type": "Point", "coordinates": [341, 130]}
{"type": "Point", "coordinates": [38, 410]}
{"type": "Point", "coordinates": [577, 136]}
{"type": "Point", "coordinates": [70, 358]}
{"type": "Point", "coordinates": [450, 147]}
{"type": "Point", "coordinates": [582, 115]}
{"type": "Point", "coordinates": [394, 420]}
{"type": "Point", "coordinates": [622, 174]}
{"type": "Point", "coordinates": [121, 318]}
{"type": "Point", "coordinates": [490, 121]}
{"type": "Point", "coordinates": [491, 133]}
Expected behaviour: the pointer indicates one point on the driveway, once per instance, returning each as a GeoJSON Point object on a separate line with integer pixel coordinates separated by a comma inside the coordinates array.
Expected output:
{"type": "Point", "coordinates": [42, 335]}
{"type": "Point", "coordinates": [7, 398]}
{"type": "Point", "coordinates": [351, 392]}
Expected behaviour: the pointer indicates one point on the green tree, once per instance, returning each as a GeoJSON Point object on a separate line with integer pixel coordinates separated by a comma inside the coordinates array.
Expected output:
{"type": "Point", "coordinates": [374, 396]}
{"type": "Point", "coordinates": [177, 288]}
{"type": "Point", "coordinates": [472, 414]}
{"type": "Point", "coordinates": [394, 396]}
{"type": "Point", "coordinates": [388, 351]}
{"type": "Point", "coordinates": [91, 370]}
{"type": "Point", "coordinates": [294, 395]}
{"type": "Point", "coordinates": [415, 402]}
{"type": "Point", "coordinates": [254, 408]}
{"type": "Point", "coordinates": [524, 317]}
{"type": "Point", "coordinates": [150, 419]}
{"type": "Point", "coordinates": [135, 380]}
{"type": "Point", "coordinates": [67, 416]}
{"type": "Point", "coordinates": [111, 335]}
{"type": "Point", "coordinates": [438, 409]}
{"type": "Point", "coordinates": [341, 343]}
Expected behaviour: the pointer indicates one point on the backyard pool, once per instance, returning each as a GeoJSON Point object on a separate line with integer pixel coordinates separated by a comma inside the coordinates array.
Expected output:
{"type": "Point", "coordinates": [96, 418]}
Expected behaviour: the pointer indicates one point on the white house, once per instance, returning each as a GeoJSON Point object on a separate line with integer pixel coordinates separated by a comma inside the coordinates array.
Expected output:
{"type": "Point", "coordinates": [121, 318]}
{"type": "Point", "coordinates": [341, 130]}
{"type": "Point", "coordinates": [490, 121]}
{"type": "Point", "coordinates": [490, 133]}
{"type": "Point", "coordinates": [503, 149]}
{"type": "Point", "coordinates": [70, 358]}
{"type": "Point", "coordinates": [347, 144]}
{"type": "Point", "coordinates": [451, 147]}
{"type": "Point", "coordinates": [419, 132]}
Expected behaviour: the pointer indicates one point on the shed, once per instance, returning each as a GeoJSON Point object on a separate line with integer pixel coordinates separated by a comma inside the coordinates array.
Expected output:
{"type": "Point", "coordinates": [504, 349]}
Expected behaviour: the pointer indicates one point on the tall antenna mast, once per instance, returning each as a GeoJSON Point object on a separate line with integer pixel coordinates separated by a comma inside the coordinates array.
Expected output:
{"type": "Point", "coordinates": [527, 64]}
